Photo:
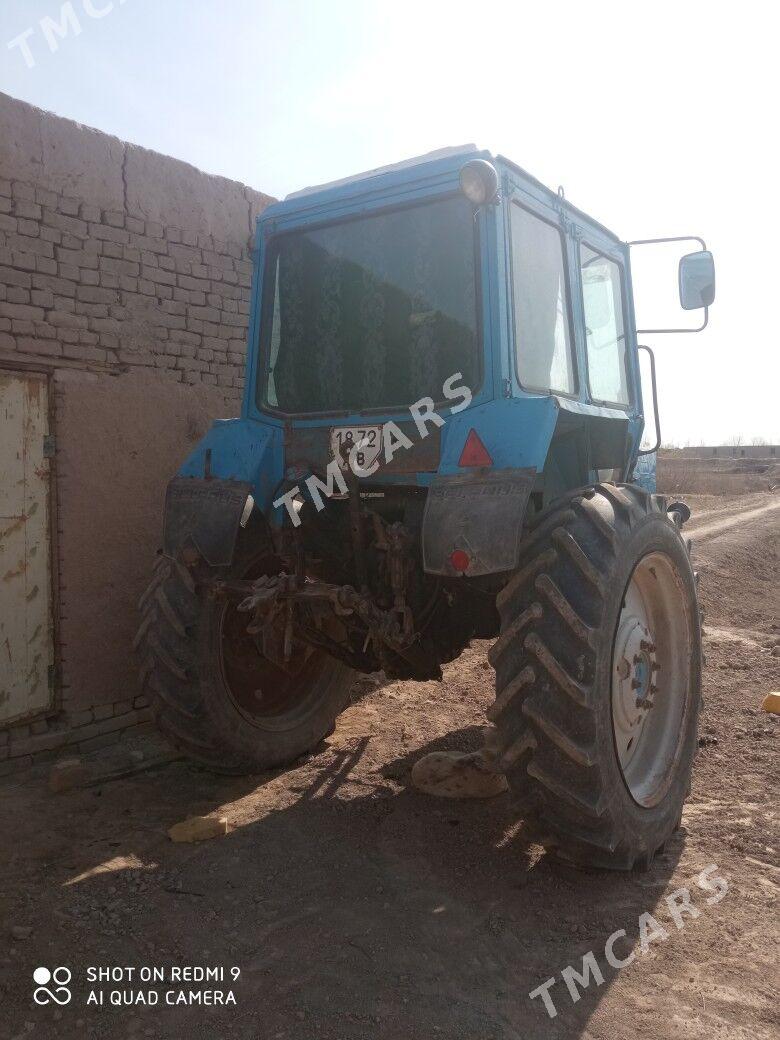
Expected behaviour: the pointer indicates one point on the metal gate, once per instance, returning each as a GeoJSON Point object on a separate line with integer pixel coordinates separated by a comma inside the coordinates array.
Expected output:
{"type": "Point", "coordinates": [26, 636]}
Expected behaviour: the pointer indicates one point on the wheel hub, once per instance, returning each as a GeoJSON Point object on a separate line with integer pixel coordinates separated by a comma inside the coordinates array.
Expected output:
{"type": "Point", "coordinates": [651, 677]}
{"type": "Point", "coordinates": [635, 666]}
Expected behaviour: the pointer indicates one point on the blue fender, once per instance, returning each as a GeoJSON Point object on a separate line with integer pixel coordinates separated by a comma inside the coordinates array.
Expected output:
{"type": "Point", "coordinates": [242, 450]}
{"type": "Point", "coordinates": [515, 431]}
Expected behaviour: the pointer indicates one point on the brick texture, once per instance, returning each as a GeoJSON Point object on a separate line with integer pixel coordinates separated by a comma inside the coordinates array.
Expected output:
{"type": "Point", "coordinates": [94, 295]}
{"type": "Point", "coordinates": [122, 272]}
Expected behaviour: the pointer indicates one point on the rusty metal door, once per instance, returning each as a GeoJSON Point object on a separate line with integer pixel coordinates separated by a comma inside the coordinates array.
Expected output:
{"type": "Point", "coordinates": [26, 636]}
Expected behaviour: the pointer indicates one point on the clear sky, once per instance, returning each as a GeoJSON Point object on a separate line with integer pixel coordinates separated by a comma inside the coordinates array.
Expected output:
{"type": "Point", "coordinates": [658, 118]}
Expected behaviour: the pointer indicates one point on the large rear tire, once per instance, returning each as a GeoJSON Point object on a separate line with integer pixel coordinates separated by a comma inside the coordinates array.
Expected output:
{"type": "Point", "coordinates": [213, 694]}
{"type": "Point", "coordinates": [598, 676]}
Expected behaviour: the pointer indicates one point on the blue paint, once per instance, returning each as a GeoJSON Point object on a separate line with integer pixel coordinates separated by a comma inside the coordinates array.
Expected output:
{"type": "Point", "coordinates": [644, 472]}
{"type": "Point", "coordinates": [241, 449]}
{"type": "Point", "coordinates": [516, 426]}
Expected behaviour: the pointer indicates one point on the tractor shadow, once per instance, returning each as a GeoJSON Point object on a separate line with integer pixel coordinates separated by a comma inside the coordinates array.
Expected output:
{"type": "Point", "coordinates": [354, 906]}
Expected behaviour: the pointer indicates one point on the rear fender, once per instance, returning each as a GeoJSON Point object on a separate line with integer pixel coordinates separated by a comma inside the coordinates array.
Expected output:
{"type": "Point", "coordinates": [480, 510]}
{"type": "Point", "coordinates": [206, 501]}
{"type": "Point", "coordinates": [240, 450]}
{"type": "Point", "coordinates": [480, 513]}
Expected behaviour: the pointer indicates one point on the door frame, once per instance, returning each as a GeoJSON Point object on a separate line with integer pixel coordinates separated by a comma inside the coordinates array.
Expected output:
{"type": "Point", "coordinates": [23, 366]}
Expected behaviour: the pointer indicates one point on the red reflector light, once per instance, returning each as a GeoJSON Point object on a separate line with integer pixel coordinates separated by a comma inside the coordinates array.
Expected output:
{"type": "Point", "coordinates": [474, 452]}
{"type": "Point", "coordinates": [460, 560]}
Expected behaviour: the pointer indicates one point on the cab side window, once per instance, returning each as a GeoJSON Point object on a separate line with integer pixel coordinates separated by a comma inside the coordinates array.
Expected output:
{"type": "Point", "coordinates": [541, 304]}
{"type": "Point", "coordinates": [602, 297]}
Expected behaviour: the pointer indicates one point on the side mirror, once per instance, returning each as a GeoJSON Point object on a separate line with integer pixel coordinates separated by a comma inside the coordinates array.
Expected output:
{"type": "Point", "coordinates": [697, 280]}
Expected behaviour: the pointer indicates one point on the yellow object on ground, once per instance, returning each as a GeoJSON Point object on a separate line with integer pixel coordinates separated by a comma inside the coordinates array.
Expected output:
{"type": "Point", "coordinates": [451, 774]}
{"type": "Point", "coordinates": [772, 703]}
{"type": "Point", "coordinates": [198, 828]}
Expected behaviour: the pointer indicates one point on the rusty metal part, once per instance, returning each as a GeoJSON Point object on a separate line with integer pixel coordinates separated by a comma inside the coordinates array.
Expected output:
{"type": "Point", "coordinates": [355, 520]}
{"type": "Point", "coordinates": [272, 599]}
{"type": "Point", "coordinates": [259, 682]}
{"type": "Point", "coordinates": [367, 620]}
{"type": "Point", "coordinates": [399, 541]}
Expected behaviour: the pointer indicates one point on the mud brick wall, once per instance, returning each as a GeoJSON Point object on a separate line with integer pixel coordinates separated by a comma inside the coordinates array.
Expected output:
{"type": "Point", "coordinates": [124, 275]}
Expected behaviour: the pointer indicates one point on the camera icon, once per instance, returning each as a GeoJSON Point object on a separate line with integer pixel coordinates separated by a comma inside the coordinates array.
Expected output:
{"type": "Point", "coordinates": [60, 994]}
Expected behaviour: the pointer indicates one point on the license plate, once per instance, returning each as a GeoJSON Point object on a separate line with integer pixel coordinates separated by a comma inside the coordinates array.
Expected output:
{"type": "Point", "coordinates": [365, 440]}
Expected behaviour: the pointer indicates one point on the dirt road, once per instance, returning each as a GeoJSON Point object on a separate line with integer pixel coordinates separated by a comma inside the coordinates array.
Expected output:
{"type": "Point", "coordinates": [357, 908]}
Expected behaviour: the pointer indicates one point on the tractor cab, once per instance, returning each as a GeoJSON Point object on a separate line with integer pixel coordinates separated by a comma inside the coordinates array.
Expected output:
{"type": "Point", "coordinates": [455, 279]}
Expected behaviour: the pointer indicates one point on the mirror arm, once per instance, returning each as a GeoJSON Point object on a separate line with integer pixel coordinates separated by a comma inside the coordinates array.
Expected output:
{"type": "Point", "coordinates": [674, 238]}
{"type": "Point", "coordinates": [659, 332]}
{"type": "Point", "coordinates": [655, 241]}
{"type": "Point", "coordinates": [649, 451]}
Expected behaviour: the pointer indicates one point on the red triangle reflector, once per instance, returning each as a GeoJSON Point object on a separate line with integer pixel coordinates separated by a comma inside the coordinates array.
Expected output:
{"type": "Point", "coordinates": [474, 452]}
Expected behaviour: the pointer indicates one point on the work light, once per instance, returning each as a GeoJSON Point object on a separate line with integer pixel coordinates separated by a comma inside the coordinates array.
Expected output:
{"type": "Point", "coordinates": [479, 181]}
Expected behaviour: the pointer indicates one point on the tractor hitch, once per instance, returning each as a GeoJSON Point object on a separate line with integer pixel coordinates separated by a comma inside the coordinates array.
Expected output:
{"type": "Point", "coordinates": [274, 600]}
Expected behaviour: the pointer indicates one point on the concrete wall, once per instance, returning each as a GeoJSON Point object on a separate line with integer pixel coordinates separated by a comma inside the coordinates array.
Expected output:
{"type": "Point", "coordinates": [125, 275]}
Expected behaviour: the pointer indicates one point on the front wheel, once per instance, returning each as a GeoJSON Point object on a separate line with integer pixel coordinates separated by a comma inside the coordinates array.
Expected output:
{"type": "Point", "coordinates": [598, 676]}
{"type": "Point", "coordinates": [213, 694]}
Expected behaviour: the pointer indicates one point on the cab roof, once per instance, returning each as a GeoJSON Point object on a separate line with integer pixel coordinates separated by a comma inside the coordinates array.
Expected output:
{"type": "Point", "coordinates": [444, 160]}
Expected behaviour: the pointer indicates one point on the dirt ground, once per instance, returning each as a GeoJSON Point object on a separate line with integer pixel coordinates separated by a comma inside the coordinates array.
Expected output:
{"type": "Point", "coordinates": [355, 907]}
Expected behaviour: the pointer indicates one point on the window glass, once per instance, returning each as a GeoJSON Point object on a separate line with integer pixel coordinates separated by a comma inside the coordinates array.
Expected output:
{"type": "Point", "coordinates": [605, 333]}
{"type": "Point", "coordinates": [542, 330]}
{"type": "Point", "coordinates": [373, 312]}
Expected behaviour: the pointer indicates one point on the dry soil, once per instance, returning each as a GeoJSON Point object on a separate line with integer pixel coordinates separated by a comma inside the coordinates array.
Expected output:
{"type": "Point", "coordinates": [356, 908]}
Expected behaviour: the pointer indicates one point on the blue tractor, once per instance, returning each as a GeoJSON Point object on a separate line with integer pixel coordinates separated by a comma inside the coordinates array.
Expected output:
{"type": "Point", "coordinates": [441, 418]}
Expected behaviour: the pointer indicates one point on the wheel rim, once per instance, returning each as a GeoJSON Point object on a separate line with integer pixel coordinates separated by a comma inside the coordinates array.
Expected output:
{"type": "Point", "coordinates": [651, 686]}
{"type": "Point", "coordinates": [268, 696]}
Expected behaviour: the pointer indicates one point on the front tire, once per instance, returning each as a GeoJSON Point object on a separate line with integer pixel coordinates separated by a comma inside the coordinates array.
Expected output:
{"type": "Point", "coordinates": [598, 676]}
{"type": "Point", "coordinates": [213, 694]}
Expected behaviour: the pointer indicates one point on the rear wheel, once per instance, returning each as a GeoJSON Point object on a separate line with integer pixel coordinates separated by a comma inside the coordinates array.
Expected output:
{"type": "Point", "coordinates": [598, 676]}
{"type": "Point", "coordinates": [215, 696]}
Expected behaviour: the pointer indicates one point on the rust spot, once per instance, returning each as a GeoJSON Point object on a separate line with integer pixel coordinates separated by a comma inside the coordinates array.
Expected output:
{"type": "Point", "coordinates": [14, 526]}
{"type": "Point", "coordinates": [10, 575]}
{"type": "Point", "coordinates": [33, 390]}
